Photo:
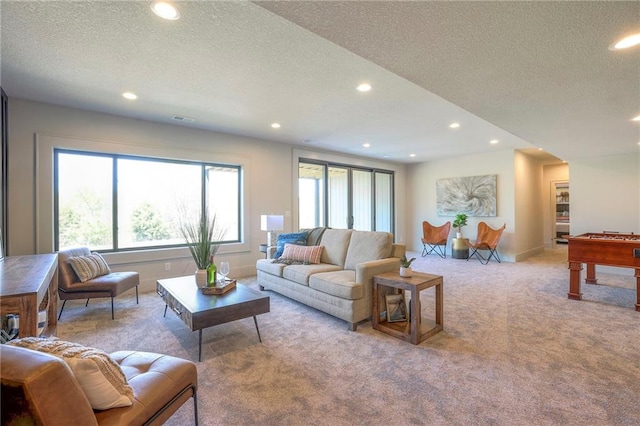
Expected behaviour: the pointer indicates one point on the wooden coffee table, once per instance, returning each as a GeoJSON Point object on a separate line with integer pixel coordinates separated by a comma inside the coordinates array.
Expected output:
{"type": "Point", "coordinates": [199, 311]}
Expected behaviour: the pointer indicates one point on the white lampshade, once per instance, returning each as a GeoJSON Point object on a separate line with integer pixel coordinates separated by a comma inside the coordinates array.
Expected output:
{"type": "Point", "coordinates": [271, 222]}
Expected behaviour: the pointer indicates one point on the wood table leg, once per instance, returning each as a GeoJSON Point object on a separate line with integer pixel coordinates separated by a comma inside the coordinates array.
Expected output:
{"type": "Point", "coordinates": [439, 306]}
{"type": "Point", "coordinates": [574, 281]}
{"type": "Point", "coordinates": [199, 345]}
{"type": "Point", "coordinates": [414, 317]}
{"type": "Point", "coordinates": [637, 275]}
{"type": "Point", "coordinates": [591, 274]}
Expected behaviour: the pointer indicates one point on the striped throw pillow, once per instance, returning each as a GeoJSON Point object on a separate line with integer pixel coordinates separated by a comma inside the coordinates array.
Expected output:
{"type": "Point", "coordinates": [89, 267]}
{"type": "Point", "coordinates": [305, 254]}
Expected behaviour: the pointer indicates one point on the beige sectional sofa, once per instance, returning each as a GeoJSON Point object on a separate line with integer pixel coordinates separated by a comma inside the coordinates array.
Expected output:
{"type": "Point", "coordinates": [342, 283]}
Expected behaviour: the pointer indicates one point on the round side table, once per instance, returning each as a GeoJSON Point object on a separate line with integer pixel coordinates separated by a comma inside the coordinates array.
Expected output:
{"type": "Point", "coordinates": [459, 248]}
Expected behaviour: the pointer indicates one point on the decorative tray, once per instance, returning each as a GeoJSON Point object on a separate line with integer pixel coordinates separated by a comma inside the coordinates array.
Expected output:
{"type": "Point", "coordinates": [219, 288]}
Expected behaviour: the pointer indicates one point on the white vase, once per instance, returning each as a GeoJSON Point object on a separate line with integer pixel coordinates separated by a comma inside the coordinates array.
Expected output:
{"type": "Point", "coordinates": [201, 277]}
{"type": "Point", "coordinates": [405, 272]}
{"type": "Point", "coordinates": [458, 234]}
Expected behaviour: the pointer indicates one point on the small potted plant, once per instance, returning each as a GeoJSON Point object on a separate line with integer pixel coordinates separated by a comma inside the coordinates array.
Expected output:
{"type": "Point", "coordinates": [459, 222]}
{"type": "Point", "coordinates": [405, 266]}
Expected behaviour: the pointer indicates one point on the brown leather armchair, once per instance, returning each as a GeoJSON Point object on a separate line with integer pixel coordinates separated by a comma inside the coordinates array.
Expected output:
{"type": "Point", "coordinates": [39, 388]}
{"type": "Point", "coordinates": [110, 285]}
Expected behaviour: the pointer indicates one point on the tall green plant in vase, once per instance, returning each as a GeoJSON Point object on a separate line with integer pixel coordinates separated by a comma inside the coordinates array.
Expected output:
{"type": "Point", "coordinates": [203, 238]}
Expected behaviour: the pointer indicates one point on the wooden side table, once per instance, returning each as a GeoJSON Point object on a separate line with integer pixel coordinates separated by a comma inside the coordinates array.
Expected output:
{"type": "Point", "coordinates": [417, 329]}
{"type": "Point", "coordinates": [459, 248]}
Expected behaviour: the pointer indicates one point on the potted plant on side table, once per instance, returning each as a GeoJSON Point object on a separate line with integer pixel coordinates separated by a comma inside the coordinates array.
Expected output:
{"type": "Point", "coordinates": [203, 239]}
{"type": "Point", "coordinates": [459, 222]}
{"type": "Point", "coordinates": [405, 266]}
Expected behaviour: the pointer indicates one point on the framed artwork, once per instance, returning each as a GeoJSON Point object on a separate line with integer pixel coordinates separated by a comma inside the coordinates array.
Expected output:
{"type": "Point", "coordinates": [472, 195]}
{"type": "Point", "coordinates": [396, 307]}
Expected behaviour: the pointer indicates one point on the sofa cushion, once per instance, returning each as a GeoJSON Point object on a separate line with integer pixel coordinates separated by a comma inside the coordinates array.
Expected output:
{"type": "Point", "coordinates": [338, 283]}
{"type": "Point", "coordinates": [335, 242]}
{"type": "Point", "coordinates": [294, 253]}
{"type": "Point", "coordinates": [366, 246]}
{"type": "Point", "coordinates": [89, 267]}
{"type": "Point", "coordinates": [99, 376]}
{"type": "Point", "coordinates": [299, 238]}
{"type": "Point", "coordinates": [300, 273]}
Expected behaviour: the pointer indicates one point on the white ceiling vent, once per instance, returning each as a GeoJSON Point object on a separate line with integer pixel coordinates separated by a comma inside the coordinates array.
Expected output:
{"type": "Point", "coordinates": [183, 119]}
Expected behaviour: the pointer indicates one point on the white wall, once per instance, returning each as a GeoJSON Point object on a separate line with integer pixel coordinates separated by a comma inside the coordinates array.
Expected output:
{"type": "Point", "coordinates": [605, 194]}
{"type": "Point", "coordinates": [421, 196]}
{"type": "Point", "coordinates": [270, 173]}
{"type": "Point", "coordinates": [529, 210]}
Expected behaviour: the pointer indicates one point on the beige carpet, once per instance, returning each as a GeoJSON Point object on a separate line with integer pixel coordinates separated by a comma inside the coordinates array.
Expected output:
{"type": "Point", "coordinates": [514, 351]}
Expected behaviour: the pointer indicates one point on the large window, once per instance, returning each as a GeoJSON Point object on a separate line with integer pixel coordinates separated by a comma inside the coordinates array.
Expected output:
{"type": "Point", "coordinates": [117, 202]}
{"type": "Point", "coordinates": [355, 197]}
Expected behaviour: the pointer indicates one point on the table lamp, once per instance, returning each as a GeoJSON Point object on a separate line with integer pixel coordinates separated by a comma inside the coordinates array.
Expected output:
{"type": "Point", "coordinates": [270, 223]}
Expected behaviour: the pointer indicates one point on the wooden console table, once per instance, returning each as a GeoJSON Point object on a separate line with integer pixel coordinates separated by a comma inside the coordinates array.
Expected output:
{"type": "Point", "coordinates": [26, 283]}
{"type": "Point", "coordinates": [417, 328]}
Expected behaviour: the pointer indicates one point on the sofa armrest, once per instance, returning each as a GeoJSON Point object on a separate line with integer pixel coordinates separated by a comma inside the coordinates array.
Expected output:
{"type": "Point", "coordinates": [397, 250]}
{"type": "Point", "coordinates": [366, 270]}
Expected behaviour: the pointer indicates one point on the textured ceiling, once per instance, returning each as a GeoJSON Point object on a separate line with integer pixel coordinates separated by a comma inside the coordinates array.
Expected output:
{"type": "Point", "coordinates": [530, 74]}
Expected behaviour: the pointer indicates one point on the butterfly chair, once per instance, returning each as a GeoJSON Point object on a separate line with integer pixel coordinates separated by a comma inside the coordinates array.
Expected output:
{"type": "Point", "coordinates": [487, 240]}
{"type": "Point", "coordinates": [434, 239]}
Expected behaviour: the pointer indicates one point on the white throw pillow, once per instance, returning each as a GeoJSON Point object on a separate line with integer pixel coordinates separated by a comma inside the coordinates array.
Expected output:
{"type": "Point", "coordinates": [99, 376]}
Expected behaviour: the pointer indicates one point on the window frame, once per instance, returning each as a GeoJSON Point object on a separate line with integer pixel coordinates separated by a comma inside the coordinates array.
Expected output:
{"type": "Point", "coordinates": [115, 157]}
{"type": "Point", "coordinates": [43, 190]}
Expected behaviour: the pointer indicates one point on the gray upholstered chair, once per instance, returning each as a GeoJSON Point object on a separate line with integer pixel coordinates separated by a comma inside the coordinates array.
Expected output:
{"type": "Point", "coordinates": [110, 285]}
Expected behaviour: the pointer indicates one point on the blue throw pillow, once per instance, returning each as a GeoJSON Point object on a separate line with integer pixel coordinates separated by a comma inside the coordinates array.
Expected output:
{"type": "Point", "coordinates": [299, 238]}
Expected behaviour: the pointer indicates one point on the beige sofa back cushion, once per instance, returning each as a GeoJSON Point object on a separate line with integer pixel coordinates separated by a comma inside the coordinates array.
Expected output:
{"type": "Point", "coordinates": [335, 242]}
{"type": "Point", "coordinates": [366, 246]}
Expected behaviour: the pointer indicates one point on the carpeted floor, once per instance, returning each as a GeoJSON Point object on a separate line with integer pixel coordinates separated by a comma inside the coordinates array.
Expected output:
{"type": "Point", "coordinates": [514, 351]}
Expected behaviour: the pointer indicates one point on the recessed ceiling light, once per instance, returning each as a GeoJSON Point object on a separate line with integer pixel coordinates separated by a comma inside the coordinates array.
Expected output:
{"type": "Point", "coordinates": [454, 125]}
{"type": "Point", "coordinates": [625, 43]}
{"type": "Point", "coordinates": [275, 125]}
{"type": "Point", "coordinates": [636, 118]}
{"type": "Point", "coordinates": [412, 155]}
{"type": "Point", "coordinates": [165, 10]}
{"type": "Point", "coordinates": [130, 95]}
{"type": "Point", "coordinates": [493, 141]}
{"type": "Point", "coordinates": [366, 145]}
{"type": "Point", "coordinates": [364, 87]}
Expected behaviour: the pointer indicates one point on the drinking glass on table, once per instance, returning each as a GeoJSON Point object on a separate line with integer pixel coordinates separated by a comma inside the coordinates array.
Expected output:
{"type": "Point", "coordinates": [224, 271]}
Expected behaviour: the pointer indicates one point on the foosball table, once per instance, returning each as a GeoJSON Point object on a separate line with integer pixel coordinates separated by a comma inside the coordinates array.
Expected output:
{"type": "Point", "coordinates": [606, 248]}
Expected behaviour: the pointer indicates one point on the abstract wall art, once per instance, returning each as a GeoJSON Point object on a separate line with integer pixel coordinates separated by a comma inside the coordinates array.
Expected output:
{"type": "Point", "coordinates": [473, 195]}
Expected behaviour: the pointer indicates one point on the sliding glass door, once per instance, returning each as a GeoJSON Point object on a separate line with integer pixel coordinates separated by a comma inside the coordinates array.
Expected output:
{"type": "Point", "coordinates": [356, 198]}
{"type": "Point", "coordinates": [338, 195]}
